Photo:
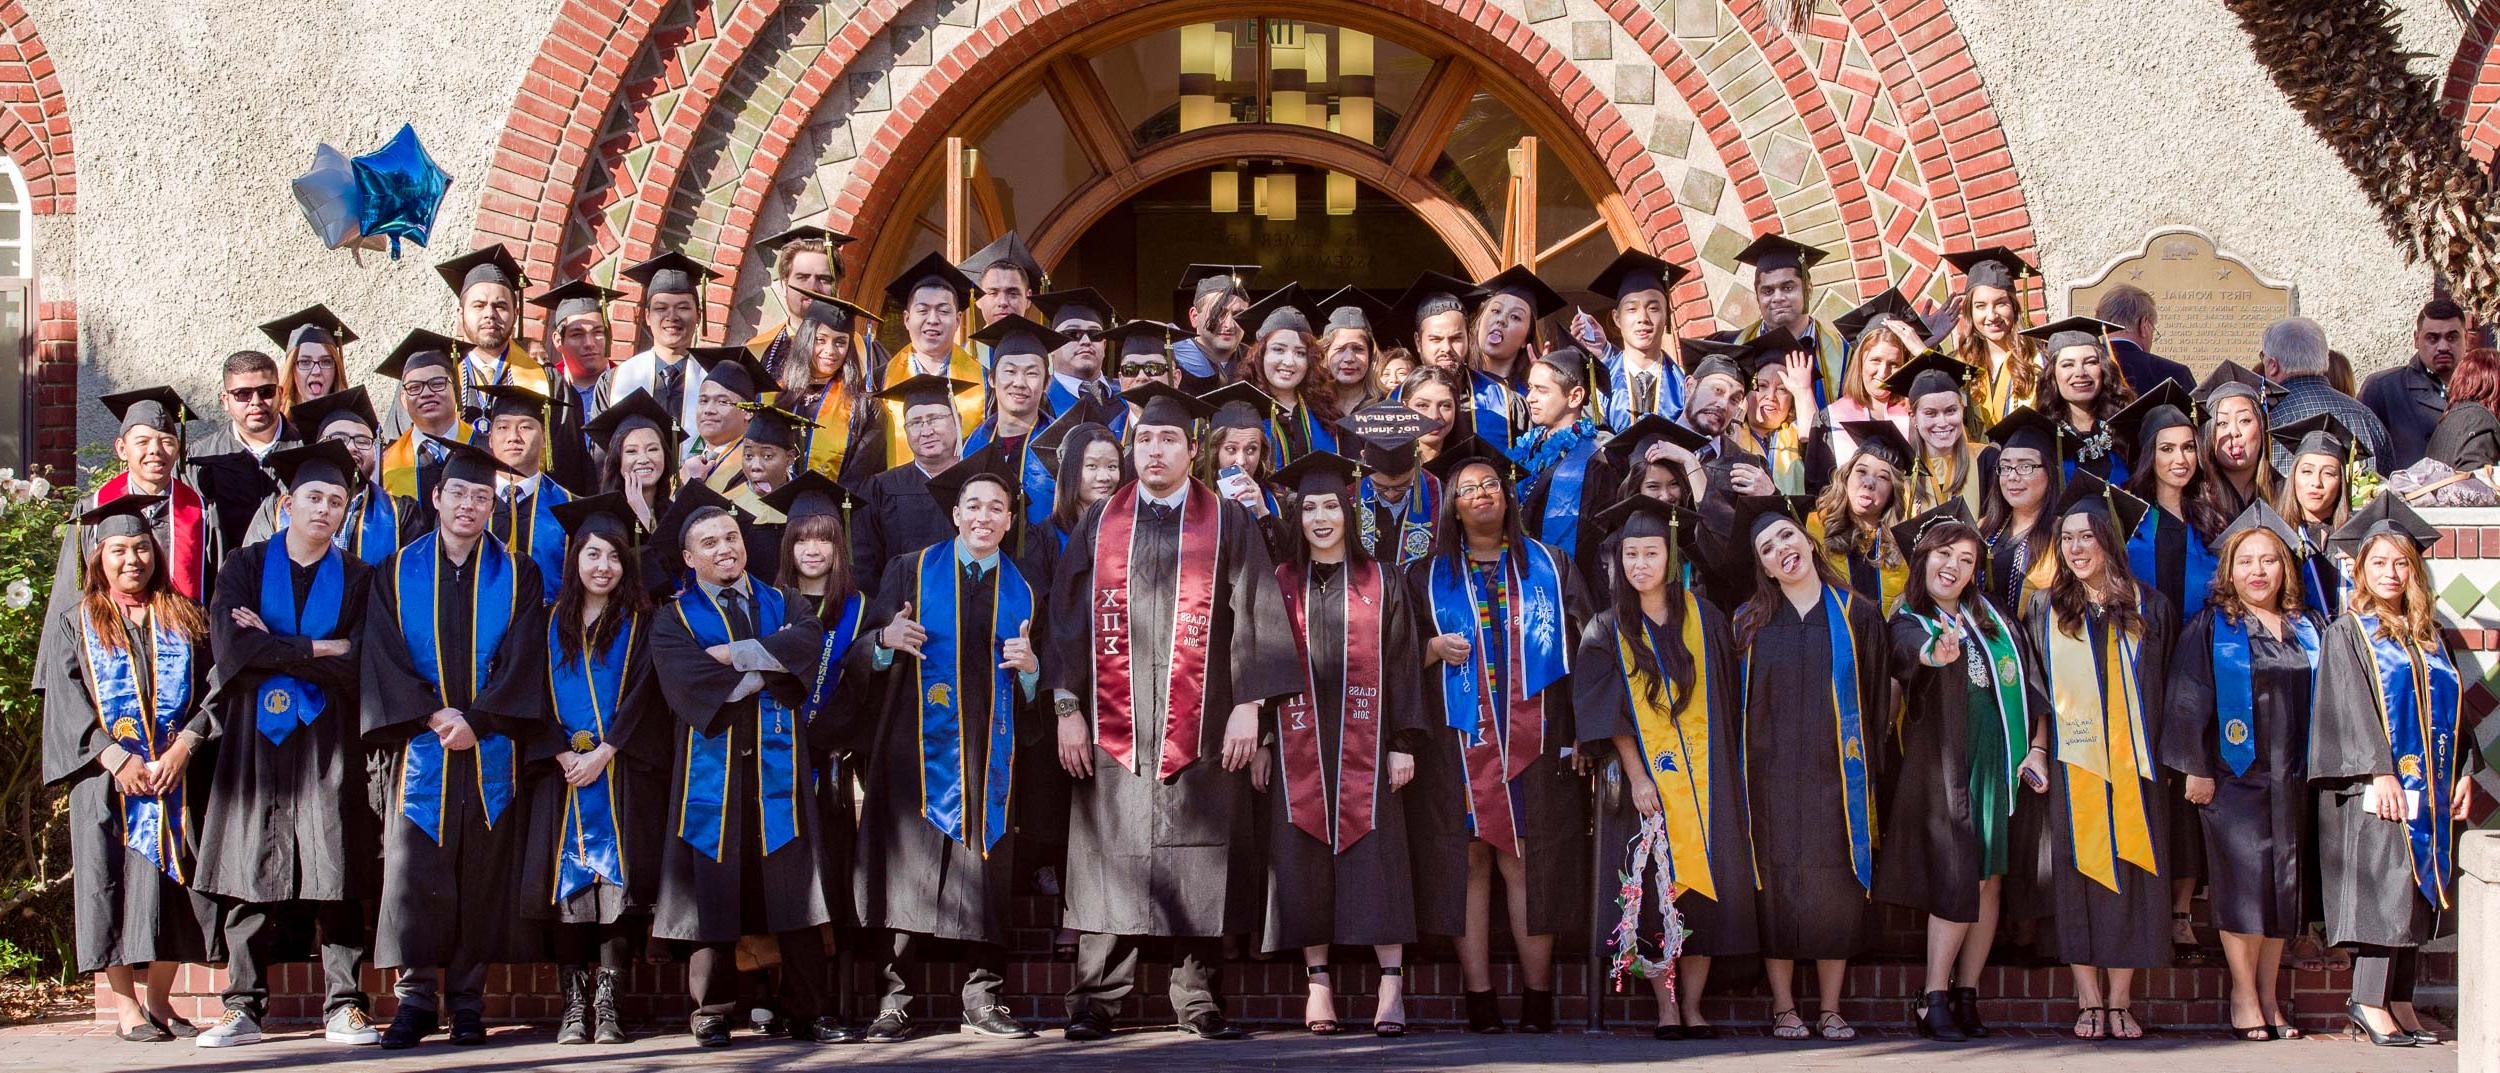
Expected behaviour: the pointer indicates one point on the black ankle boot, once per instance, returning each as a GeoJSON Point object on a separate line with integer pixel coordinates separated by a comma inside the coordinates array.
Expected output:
{"type": "Point", "coordinates": [610, 1027]}
{"type": "Point", "coordinates": [1966, 1013]}
{"type": "Point", "coordinates": [575, 1027]}
{"type": "Point", "coordinates": [1934, 1018]}
{"type": "Point", "coordinates": [1536, 1011]}
{"type": "Point", "coordinates": [1484, 1013]}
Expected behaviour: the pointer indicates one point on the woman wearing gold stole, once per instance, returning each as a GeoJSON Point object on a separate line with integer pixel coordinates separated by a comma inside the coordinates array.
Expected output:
{"type": "Point", "coordinates": [1654, 681]}
{"type": "Point", "coordinates": [2104, 640]}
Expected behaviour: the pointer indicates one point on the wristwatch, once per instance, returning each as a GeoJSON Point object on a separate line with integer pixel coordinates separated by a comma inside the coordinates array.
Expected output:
{"type": "Point", "coordinates": [1065, 706]}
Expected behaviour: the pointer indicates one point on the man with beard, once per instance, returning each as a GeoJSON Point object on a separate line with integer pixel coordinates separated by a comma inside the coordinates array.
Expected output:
{"type": "Point", "coordinates": [803, 264]}
{"type": "Point", "coordinates": [1219, 294]}
{"type": "Point", "coordinates": [1436, 306]}
{"type": "Point", "coordinates": [1714, 409]}
{"type": "Point", "coordinates": [1005, 277]}
{"type": "Point", "coordinates": [1080, 316]}
{"type": "Point", "coordinates": [2409, 398]}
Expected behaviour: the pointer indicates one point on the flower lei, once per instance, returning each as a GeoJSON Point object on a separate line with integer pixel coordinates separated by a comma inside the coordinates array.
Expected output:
{"type": "Point", "coordinates": [1649, 854]}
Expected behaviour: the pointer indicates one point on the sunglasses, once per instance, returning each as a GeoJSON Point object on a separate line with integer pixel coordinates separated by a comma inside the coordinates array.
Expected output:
{"type": "Point", "coordinates": [1081, 335]}
{"type": "Point", "coordinates": [259, 393]}
{"type": "Point", "coordinates": [1145, 369]}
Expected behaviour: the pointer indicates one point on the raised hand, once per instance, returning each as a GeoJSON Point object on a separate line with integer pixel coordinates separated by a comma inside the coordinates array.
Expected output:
{"type": "Point", "coordinates": [1018, 651]}
{"type": "Point", "coordinates": [903, 634]}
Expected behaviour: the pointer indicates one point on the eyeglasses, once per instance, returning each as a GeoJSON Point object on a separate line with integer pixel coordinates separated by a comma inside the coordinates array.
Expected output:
{"type": "Point", "coordinates": [257, 393]}
{"type": "Point", "coordinates": [1141, 368]}
{"type": "Point", "coordinates": [353, 441]}
{"type": "Point", "coordinates": [1081, 335]}
{"type": "Point", "coordinates": [323, 363]}
{"type": "Point", "coordinates": [2024, 470]}
{"type": "Point", "coordinates": [1479, 488]}
{"type": "Point", "coordinates": [916, 424]}
{"type": "Point", "coordinates": [435, 386]}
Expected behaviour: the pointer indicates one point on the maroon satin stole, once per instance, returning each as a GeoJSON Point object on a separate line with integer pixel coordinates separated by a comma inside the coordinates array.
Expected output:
{"type": "Point", "coordinates": [1492, 756]}
{"type": "Point", "coordinates": [1299, 749]}
{"type": "Point", "coordinates": [1193, 629]}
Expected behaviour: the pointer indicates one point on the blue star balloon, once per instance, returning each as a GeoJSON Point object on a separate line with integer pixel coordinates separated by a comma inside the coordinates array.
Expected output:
{"type": "Point", "coordinates": [401, 188]}
{"type": "Point", "coordinates": [329, 198]}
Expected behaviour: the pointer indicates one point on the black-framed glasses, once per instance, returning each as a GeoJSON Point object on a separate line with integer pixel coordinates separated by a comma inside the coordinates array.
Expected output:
{"type": "Point", "coordinates": [255, 393]}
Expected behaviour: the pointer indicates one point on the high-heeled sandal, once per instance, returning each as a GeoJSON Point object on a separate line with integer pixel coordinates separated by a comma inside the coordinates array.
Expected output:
{"type": "Point", "coordinates": [1325, 1026]}
{"type": "Point", "coordinates": [1392, 1029]}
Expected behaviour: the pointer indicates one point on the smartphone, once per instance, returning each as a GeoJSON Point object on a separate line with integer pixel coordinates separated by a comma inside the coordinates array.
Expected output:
{"type": "Point", "coordinates": [2032, 779]}
{"type": "Point", "coordinates": [1234, 483]}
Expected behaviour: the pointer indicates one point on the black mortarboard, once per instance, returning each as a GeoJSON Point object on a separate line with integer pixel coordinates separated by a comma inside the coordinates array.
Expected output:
{"type": "Point", "coordinates": [1283, 308]}
{"type": "Point", "coordinates": [930, 271]}
{"type": "Point", "coordinates": [1637, 516]}
{"type": "Point", "coordinates": [1632, 272]}
{"type": "Point", "coordinates": [2026, 428]}
{"type": "Point", "coordinates": [669, 273]}
{"type": "Point", "coordinates": [157, 407]}
{"type": "Point", "coordinates": [832, 312]}
{"type": "Point", "coordinates": [311, 417]}
{"type": "Point", "coordinates": [463, 461]}
{"type": "Point", "coordinates": [2318, 434]}
{"type": "Point", "coordinates": [1991, 266]}
{"type": "Point", "coordinates": [2166, 406]}
{"type": "Point", "coordinates": [1203, 280]}
{"type": "Point", "coordinates": [2230, 379]}
{"type": "Point", "coordinates": [1906, 534]}
{"type": "Point", "coordinates": [1631, 444]}
{"type": "Point", "coordinates": [2385, 514]}
{"type": "Point", "coordinates": [1087, 410]}
{"type": "Point", "coordinates": [421, 349]}
{"type": "Point", "coordinates": [580, 298]}
{"type": "Point", "coordinates": [1883, 439]}
{"type": "Point", "coordinates": [1432, 294]}
{"type": "Point", "coordinates": [1768, 353]}
{"type": "Point", "coordinates": [513, 399]}
{"type": "Point", "coordinates": [1929, 374]}
{"type": "Point", "coordinates": [1755, 513]}
{"type": "Point", "coordinates": [1888, 304]}
{"type": "Point", "coordinates": [1159, 403]}
{"type": "Point", "coordinates": [2087, 491]}
{"type": "Point", "coordinates": [924, 389]}
{"type": "Point", "coordinates": [736, 369]}
{"type": "Point", "coordinates": [1007, 249]}
{"type": "Point", "coordinates": [638, 408]}
{"type": "Point", "coordinates": [327, 462]}
{"type": "Point", "coordinates": [311, 324]}
{"type": "Point", "coordinates": [1317, 473]}
{"type": "Point", "coordinates": [1524, 285]}
{"type": "Point", "coordinates": [808, 495]}
{"type": "Point", "coordinates": [607, 514]}
{"type": "Point", "coordinates": [1703, 356]}
{"type": "Point", "coordinates": [121, 516]}
{"type": "Point", "coordinates": [1081, 303]}
{"type": "Point", "coordinates": [2072, 331]}
{"type": "Point", "coordinates": [1387, 434]}
{"type": "Point", "coordinates": [691, 500]}
{"type": "Point", "coordinates": [1011, 335]}
{"type": "Point", "coordinates": [947, 485]}
{"type": "Point", "coordinates": [2260, 515]}
{"type": "Point", "coordinates": [1143, 337]}
{"type": "Point", "coordinates": [1473, 448]}
{"type": "Point", "coordinates": [770, 246]}
{"type": "Point", "coordinates": [1349, 307]}
{"type": "Point", "coordinates": [1776, 251]}
{"type": "Point", "coordinates": [773, 426]}
{"type": "Point", "coordinates": [494, 264]}
{"type": "Point", "coordinates": [1239, 405]}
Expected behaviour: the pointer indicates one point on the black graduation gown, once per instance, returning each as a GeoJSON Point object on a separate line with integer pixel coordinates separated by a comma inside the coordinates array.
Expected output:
{"type": "Point", "coordinates": [637, 792]}
{"type": "Point", "coordinates": [1812, 905]}
{"type": "Point", "coordinates": [1149, 856]}
{"type": "Point", "coordinates": [835, 739]}
{"type": "Point", "coordinates": [896, 515]}
{"type": "Point", "coordinates": [1601, 700]}
{"type": "Point", "coordinates": [746, 891]}
{"type": "Point", "coordinates": [452, 901]}
{"type": "Point", "coordinates": [1554, 799]}
{"type": "Point", "coordinates": [129, 911]}
{"type": "Point", "coordinates": [1364, 896]}
{"type": "Point", "coordinates": [2089, 924]}
{"type": "Point", "coordinates": [2256, 827]}
{"type": "Point", "coordinates": [289, 821]}
{"type": "Point", "coordinates": [1726, 566]}
{"type": "Point", "coordinates": [228, 475]}
{"type": "Point", "coordinates": [1931, 858]}
{"type": "Point", "coordinates": [910, 876]}
{"type": "Point", "coordinates": [2365, 864]}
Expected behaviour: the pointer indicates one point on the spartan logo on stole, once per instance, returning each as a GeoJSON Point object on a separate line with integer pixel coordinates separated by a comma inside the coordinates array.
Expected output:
{"type": "Point", "coordinates": [940, 696]}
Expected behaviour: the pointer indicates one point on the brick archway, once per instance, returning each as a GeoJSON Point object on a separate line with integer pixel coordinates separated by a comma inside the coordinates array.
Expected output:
{"type": "Point", "coordinates": [2471, 94]}
{"type": "Point", "coordinates": [35, 132]}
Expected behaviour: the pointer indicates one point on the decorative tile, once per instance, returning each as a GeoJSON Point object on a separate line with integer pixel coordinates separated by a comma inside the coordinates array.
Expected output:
{"type": "Point", "coordinates": [1702, 190]}
{"type": "Point", "coordinates": [1635, 83]}
{"type": "Point", "coordinates": [1697, 18]}
{"type": "Point", "coordinates": [1671, 135]}
{"type": "Point", "coordinates": [1786, 158]}
{"type": "Point", "coordinates": [1592, 39]}
{"type": "Point", "coordinates": [2461, 595]}
{"type": "Point", "coordinates": [1546, 10]}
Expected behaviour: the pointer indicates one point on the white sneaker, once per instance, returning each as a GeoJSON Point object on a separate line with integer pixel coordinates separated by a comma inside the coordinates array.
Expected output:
{"type": "Point", "coordinates": [234, 1029]}
{"type": "Point", "coordinates": [350, 1025]}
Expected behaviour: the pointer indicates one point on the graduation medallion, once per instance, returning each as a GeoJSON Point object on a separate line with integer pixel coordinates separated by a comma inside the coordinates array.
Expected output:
{"type": "Point", "coordinates": [277, 702]}
{"type": "Point", "coordinates": [2235, 732]}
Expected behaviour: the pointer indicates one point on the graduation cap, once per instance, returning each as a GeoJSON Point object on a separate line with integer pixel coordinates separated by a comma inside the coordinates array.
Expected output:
{"type": "Point", "coordinates": [1159, 403]}
{"type": "Point", "coordinates": [2026, 428]}
{"type": "Point", "coordinates": [494, 264]}
{"type": "Point", "coordinates": [157, 407]}
{"type": "Point", "coordinates": [580, 298]}
{"type": "Point", "coordinates": [311, 324]}
{"type": "Point", "coordinates": [947, 485]}
{"type": "Point", "coordinates": [1930, 373]}
{"type": "Point", "coordinates": [121, 516]}
{"type": "Point", "coordinates": [1768, 353]}
{"type": "Point", "coordinates": [1432, 294]}
{"type": "Point", "coordinates": [636, 410]}
{"type": "Point", "coordinates": [420, 349]}
{"type": "Point", "coordinates": [1088, 410]}
{"type": "Point", "coordinates": [1776, 251]}
{"type": "Point", "coordinates": [1524, 285]}
{"type": "Point", "coordinates": [2166, 406]}
{"type": "Point", "coordinates": [929, 271]}
{"type": "Point", "coordinates": [1472, 449]}
{"type": "Point", "coordinates": [1637, 516]}
{"type": "Point", "coordinates": [607, 514]}
{"type": "Point", "coordinates": [1141, 338]}
{"type": "Point", "coordinates": [2232, 380]}
{"type": "Point", "coordinates": [2318, 434]}
{"type": "Point", "coordinates": [736, 369]}
{"type": "Point", "coordinates": [1203, 280]}
{"type": "Point", "coordinates": [511, 400]}
{"type": "Point", "coordinates": [1012, 335]}
{"type": "Point", "coordinates": [1239, 405]}
{"type": "Point", "coordinates": [327, 462]}
{"type": "Point", "coordinates": [1632, 272]}
{"type": "Point", "coordinates": [1703, 356]}
{"type": "Point", "coordinates": [1991, 266]}
{"type": "Point", "coordinates": [690, 501]}
{"type": "Point", "coordinates": [1283, 308]}
{"type": "Point", "coordinates": [1888, 304]}
{"type": "Point", "coordinates": [924, 389]}
{"type": "Point", "coordinates": [2088, 492]}
{"type": "Point", "coordinates": [1906, 535]}
{"type": "Point", "coordinates": [2073, 331]}
{"type": "Point", "coordinates": [1756, 513]}
{"type": "Point", "coordinates": [669, 273]}
{"type": "Point", "coordinates": [1007, 249]}
{"type": "Point", "coordinates": [1348, 308]}
{"type": "Point", "coordinates": [1081, 303]}
{"type": "Point", "coordinates": [1883, 439]}
{"type": "Point", "coordinates": [464, 461]}
{"type": "Point", "coordinates": [2384, 515]}
{"type": "Point", "coordinates": [833, 313]}
{"type": "Point", "coordinates": [808, 495]}
{"type": "Point", "coordinates": [1628, 447]}
{"type": "Point", "coordinates": [770, 246]}
{"type": "Point", "coordinates": [1318, 473]}
{"type": "Point", "coordinates": [2260, 515]}
{"type": "Point", "coordinates": [312, 416]}
{"type": "Point", "coordinates": [1387, 435]}
{"type": "Point", "coordinates": [773, 426]}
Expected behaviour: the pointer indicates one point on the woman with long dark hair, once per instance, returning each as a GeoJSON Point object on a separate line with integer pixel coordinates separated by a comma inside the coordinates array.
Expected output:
{"type": "Point", "coordinates": [816, 564]}
{"type": "Point", "coordinates": [2237, 454]}
{"type": "Point", "coordinates": [1974, 727]}
{"type": "Point", "coordinates": [2392, 772]}
{"type": "Point", "coordinates": [121, 722]}
{"type": "Point", "coordinates": [1499, 606]}
{"type": "Point", "coordinates": [825, 375]}
{"type": "Point", "coordinates": [1809, 750]}
{"type": "Point", "coordinates": [1655, 681]}
{"type": "Point", "coordinates": [638, 460]}
{"type": "Point", "coordinates": [2316, 500]}
{"type": "Point", "coordinates": [1440, 395]}
{"type": "Point", "coordinates": [1282, 364]}
{"type": "Point", "coordinates": [2172, 550]}
{"type": "Point", "coordinates": [2020, 474]}
{"type": "Point", "coordinates": [2081, 388]}
{"type": "Point", "coordinates": [2104, 643]}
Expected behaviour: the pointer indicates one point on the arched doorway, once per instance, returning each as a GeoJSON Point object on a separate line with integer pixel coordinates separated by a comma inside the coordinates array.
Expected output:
{"type": "Point", "coordinates": [1354, 151]}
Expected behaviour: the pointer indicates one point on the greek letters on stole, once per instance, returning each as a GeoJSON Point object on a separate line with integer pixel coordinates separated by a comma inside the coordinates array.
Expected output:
{"type": "Point", "coordinates": [1354, 787]}
{"type": "Point", "coordinates": [1193, 627]}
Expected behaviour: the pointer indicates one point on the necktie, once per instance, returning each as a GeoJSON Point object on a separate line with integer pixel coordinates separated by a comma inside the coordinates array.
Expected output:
{"type": "Point", "coordinates": [672, 374]}
{"type": "Point", "coordinates": [1093, 393]}
{"type": "Point", "coordinates": [734, 605]}
{"type": "Point", "coordinates": [1645, 391]}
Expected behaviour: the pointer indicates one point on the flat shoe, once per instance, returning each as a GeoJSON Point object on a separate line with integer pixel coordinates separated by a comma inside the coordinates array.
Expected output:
{"type": "Point", "coordinates": [145, 1032]}
{"type": "Point", "coordinates": [1667, 1032]}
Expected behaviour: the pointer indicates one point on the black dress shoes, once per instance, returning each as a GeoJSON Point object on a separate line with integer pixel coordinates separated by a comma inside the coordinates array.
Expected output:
{"type": "Point", "coordinates": [468, 1028]}
{"type": "Point", "coordinates": [993, 1022]}
{"type": "Point", "coordinates": [1087, 1028]}
{"type": "Point", "coordinates": [711, 1030]}
{"type": "Point", "coordinates": [1211, 1026]}
{"type": "Point", "coordinates": [407, 1027]}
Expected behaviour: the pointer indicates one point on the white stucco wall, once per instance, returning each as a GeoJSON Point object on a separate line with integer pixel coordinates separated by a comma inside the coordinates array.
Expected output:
{"type": "Point", "coordinates": [191, 121]}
